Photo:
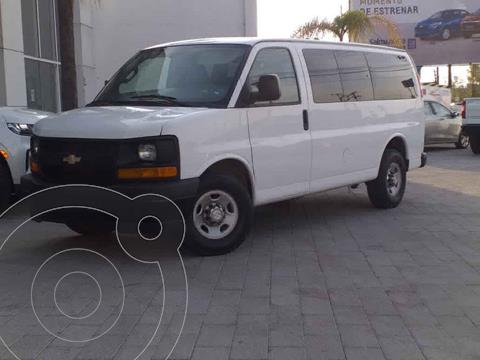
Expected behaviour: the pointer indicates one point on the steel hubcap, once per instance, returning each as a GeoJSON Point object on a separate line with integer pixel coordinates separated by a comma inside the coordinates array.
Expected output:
{"type": "Point", "coordinates": [394, 179]}
{"type": "Point", "coordinates": [215, 214]}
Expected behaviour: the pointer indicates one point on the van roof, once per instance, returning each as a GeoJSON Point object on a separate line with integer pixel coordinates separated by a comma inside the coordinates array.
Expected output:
{"type": "Point", "coordinates": [256, 40]}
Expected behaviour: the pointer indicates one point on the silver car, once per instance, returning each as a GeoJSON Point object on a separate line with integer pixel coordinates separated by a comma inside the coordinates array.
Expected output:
{"type": "Point", "coordinates": [443, 126]}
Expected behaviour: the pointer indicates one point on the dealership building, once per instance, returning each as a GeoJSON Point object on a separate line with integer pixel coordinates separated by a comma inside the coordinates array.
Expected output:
{"type": "Point", "coordinates": [57, 54]}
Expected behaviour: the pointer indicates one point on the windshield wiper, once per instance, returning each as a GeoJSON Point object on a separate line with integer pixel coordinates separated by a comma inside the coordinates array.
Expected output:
{"type": "Point", "coordinates": [105, 103]}
{"type": "Point", "coordinates": [170, 100]}
{"type": "Point", "coordinates": [144, 99]}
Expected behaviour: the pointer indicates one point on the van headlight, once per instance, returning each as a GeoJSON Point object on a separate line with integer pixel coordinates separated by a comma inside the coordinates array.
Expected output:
{"type": "Point", "coordinates": [147, 152]}
{"type": "Point", "coordinates": [20, 129]}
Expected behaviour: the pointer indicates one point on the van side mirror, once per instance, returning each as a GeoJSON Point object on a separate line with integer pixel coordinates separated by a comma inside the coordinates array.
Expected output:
{"type": "Point", "coordinates": [268, 88]}
{"type": "Point", "coordinates": [455, 114]}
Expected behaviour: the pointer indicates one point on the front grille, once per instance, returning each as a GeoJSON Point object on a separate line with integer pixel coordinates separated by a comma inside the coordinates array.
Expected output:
{"type": "Point", "coordinates": [73, 161]}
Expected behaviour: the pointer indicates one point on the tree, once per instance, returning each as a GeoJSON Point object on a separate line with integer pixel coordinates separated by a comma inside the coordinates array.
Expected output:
{"type": "Point", "coordinates": [474, 79]}
{"type": "Point", "coordinates": [353, 23]}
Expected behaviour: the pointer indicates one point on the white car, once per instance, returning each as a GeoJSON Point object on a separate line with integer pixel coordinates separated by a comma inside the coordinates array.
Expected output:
{"type": "Point", "coordinates": [15, 131]}
{"type": "Point", "coordinates": [223, 125]}
{"type": "Point", "coordinates": [471, 122]}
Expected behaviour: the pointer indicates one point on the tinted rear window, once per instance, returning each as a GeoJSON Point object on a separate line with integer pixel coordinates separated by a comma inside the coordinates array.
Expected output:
{"type": "Point", "coordinates": [345, 76]}
{"type": "Point", "coordinates": [354, 75]}
{"type": "Point", "coordinates": [392, 76]}
{"type": "Point", "coordinates": [324, 76]}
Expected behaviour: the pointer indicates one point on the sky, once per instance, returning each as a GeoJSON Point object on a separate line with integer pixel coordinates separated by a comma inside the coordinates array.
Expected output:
{"type": "Point", "coordinates": [280, 18]}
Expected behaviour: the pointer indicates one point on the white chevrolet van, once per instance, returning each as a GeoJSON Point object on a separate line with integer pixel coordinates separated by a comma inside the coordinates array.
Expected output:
{"type": "Point", "coordinates": [223, 125]}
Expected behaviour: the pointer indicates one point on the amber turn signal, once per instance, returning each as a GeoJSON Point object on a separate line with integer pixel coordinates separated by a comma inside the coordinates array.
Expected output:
{"type": "Point", "coordinates": [4, 154]}
{"type": "Point", "coordinates": [34, 167]}
{"type": "Point", "coordinates": [147, 173]}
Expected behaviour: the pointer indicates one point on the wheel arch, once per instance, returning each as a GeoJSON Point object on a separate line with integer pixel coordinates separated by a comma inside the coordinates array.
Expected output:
{"type": "Point", "coordinates": [232, 165]}
{"type": "Point", "coordinates": [398, 142]}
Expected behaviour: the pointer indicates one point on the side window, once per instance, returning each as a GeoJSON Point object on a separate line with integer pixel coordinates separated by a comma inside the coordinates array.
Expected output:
{"type": "Point", "coordinates": [355, 76]}
{"type": "Point", "coordinates": [392, 76]}
{"type": "Point", "coordinates": [324, 75]}
{"type": "Point", "coordinates": [277, 61]}
{"type": "Point", "coordinates": [440, 110]}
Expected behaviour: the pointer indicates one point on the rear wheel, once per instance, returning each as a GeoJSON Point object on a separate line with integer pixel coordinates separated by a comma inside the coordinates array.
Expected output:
{"type": "Point", "coordinates": [475, 144]}
{"type": "Point", "coordinates": [5, 186]}
{"type": "Point", "coordinates": [387, 191]}
{"type": "Point", "coordinates": [467, 35]}
{"type": "Point", "coordinates": [219, 218]}
{"type": "Point", "coordinates": [463, 141]}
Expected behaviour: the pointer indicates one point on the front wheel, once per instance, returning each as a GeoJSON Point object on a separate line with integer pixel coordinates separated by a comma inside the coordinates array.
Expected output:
{"type": "Point", "coordinates": [219, 218]}
{"type": "Point", "coordinates": [387, 191]}
{"type": "Point", "coordinates": [446, 34]}
{"type": "Point", "coordinates": [463, 141]}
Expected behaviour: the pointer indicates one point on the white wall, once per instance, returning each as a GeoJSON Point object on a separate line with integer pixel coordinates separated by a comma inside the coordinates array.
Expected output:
{"type": "Point", "coordinates": [14, 91]}
{"type": "Point", "coordinates": [110, 32]}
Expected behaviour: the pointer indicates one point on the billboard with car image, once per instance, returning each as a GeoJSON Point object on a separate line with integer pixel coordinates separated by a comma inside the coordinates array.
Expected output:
{"type": "Point", "coordinates": [433, 32]}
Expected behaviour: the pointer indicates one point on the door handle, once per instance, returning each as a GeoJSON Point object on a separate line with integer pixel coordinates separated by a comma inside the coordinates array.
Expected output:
{"type": "Point", "coordinates": [306, 124]}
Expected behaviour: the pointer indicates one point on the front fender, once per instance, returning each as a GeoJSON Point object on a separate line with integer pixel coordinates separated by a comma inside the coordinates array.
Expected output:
{"type": "Point", "coordinates": [227, 156]}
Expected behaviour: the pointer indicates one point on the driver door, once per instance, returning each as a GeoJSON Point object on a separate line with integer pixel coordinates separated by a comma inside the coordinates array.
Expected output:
{"type": "Point", "coordinates": [279, 136]}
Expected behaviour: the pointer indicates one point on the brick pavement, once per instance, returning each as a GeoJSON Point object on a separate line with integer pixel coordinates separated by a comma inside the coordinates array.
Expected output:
{"type": "Point", "coordinates": [323, 277]}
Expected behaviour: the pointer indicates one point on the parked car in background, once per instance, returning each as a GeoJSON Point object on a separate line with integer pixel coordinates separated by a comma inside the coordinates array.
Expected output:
{"type": "Point", "coordinates": [223, 125]}
{"type": "Point", "coordinates": [441, 25]}
{"type": "Point", "coordinates": [15, 131]}
{"type": "Point", "coordinates": [471, 122]}
{"type": "Point", "coordinates": [443, 126]}
{"type": "Point", "coordinates": [471, 24]}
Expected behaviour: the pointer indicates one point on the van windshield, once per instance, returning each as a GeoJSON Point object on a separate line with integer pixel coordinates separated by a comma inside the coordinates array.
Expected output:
{"type": "Point", "coordinates": [185, 75]}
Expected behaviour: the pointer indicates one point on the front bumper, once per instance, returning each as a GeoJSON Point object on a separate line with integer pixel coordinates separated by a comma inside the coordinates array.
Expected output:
{"type": "Point", "coordinates": [176, 190]}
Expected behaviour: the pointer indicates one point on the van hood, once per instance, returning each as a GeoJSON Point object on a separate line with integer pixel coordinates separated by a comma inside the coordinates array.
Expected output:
{"type": "Point", "coordinates": [113, 122]}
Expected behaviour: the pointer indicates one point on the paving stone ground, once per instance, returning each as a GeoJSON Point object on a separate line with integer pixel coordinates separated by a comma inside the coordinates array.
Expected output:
{"type": "Point", "coordinates": [322, 277]}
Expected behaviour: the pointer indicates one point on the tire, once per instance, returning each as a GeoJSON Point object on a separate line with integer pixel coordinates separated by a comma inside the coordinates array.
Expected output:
{"type": "Point", "coordinates": [475, 144]}
{"type": "Point", "coordinates": [229, 218]}
{"type": "Point", "coordinates": [467, 35]}
{"type": "Point", "coordinates": [89, 228]}
{"type": "Point", "coordinates": [5, 186]}
{"type": "Point", "coordinates": [463, 141]}
{"type": "Point", "coordinates": [446, 34]}
{"type": "Point", "coordinates": [387, 191]}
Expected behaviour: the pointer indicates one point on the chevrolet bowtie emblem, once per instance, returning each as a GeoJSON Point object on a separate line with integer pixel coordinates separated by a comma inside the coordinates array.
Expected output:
{"type": "Point", "coordinates": [72, 159]}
